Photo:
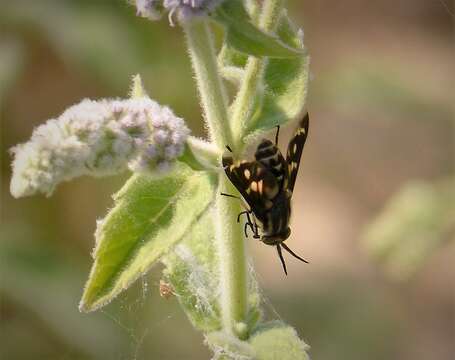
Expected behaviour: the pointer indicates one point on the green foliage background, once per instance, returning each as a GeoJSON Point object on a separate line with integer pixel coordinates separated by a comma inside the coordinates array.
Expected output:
{"type": "Point", "coordinates": [381, 100]}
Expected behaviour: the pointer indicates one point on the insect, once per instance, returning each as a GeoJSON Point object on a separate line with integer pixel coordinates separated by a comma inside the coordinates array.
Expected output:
{"type": "Point", "coordinates": [166, 290]}
{"type": "Point", "coordinates": [266, 184]}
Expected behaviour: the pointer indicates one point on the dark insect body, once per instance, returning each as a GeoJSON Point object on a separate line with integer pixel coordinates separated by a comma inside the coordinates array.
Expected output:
{"type": "Point", "coordinates": [267, 184]}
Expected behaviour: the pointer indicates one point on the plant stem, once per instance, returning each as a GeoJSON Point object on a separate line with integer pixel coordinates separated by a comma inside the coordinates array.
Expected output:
{"type": "Point", "coordinates": [211, 89]}
{"type": "Point", "coordinates": [247, 95]}
{"type": "Point", "coordinates": [232, 258]}
{"type": "Point", "coordinates": [229, 237]}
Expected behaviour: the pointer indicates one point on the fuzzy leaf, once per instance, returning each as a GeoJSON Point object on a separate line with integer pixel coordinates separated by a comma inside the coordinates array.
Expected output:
{"type": "Point", "coordinates": [276, 340]}
{"type": "Point", "coordinates": [228, 347]}
{"type": "Point", "coordinates": [150, 216]}
{"type": "Point", "coordinates": [270, 341]}
{"type": "Point", "coordinates": [245, 37]}
{"type": "Point", "coordinates": [285, 84]}
{"type": "Point", "coordinates": [231, 64]}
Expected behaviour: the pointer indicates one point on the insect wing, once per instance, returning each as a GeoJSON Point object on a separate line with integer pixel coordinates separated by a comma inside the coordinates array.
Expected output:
{"type": "Point", "coordinates": [255, 183]}
{"type": "Point", "coordinates": [294, 152]}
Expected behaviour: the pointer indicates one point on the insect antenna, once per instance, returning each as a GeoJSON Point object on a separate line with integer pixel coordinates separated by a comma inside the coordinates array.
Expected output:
{"type": "Point", "coordinates": [293, 253]}
{"type": "Point", "coordinates": [231, 196]}
{"type": "Point", "coordinates": [278, 248]}
{"type": "Point", "coordinates": [229, 148]}
{"type": "Point", "coordinates": [277, 134]}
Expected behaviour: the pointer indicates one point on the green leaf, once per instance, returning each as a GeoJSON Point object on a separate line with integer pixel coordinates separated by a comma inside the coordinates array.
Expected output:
{"type": "Point", "coordinates": [276, 340]}
{"type": "Point", "coordinates": [245, 37]}
{"type": "Point", "coordinates": [285, 84]}
{"type": "Point", "coordinates": [231, 64]}
{"type": "Point", "coordinates": [150, 216]}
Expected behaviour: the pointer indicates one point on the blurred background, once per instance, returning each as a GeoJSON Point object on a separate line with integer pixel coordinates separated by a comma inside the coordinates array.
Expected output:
{"type": "Point", "coordinates": [373, 209]}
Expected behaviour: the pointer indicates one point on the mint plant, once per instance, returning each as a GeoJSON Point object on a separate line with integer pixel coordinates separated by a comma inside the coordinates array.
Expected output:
{"type": "Point", "coordinates": [171, 209]}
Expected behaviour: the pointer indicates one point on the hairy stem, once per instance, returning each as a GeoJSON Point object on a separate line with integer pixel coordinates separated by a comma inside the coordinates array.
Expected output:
{"type": "Point", "coordinates": [229, 237]}
{"type": "Point", "coordinates": [247, 96]}
{"type": "Point", "coordinates": [211, 89]}
{"type": "Point", "coordinates": [232, 257]}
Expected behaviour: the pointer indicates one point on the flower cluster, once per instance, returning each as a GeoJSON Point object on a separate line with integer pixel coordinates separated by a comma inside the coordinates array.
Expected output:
{"type": "Point", "coordinates": [98, 138]}
{"type": "Point", "coordinates": [184, 9]}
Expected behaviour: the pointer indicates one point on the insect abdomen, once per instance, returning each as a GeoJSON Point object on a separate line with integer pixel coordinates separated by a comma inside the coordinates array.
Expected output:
{"type": "Point", "coordinates": [270, 156]}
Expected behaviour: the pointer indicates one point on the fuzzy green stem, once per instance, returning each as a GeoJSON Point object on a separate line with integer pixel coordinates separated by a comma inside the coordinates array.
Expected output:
{"type": "Point", "coordinates": [232, 257]}
{"type": "Point", "coordinates": [229, 236]}
{"type": "Point", "coordinates": [247, 96]}
{"type": "Point", "coordinates": [211, 89]}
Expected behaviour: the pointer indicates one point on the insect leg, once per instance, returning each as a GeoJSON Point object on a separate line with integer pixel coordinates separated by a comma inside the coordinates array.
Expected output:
{"type": "Point", "coordinates": [277, 134]}
{"type": "Point", "coordinates": [229, 148]}
{"type": "Point", "coordinates": [292, 253]}
{"type": "Point", "coordinates": [256, 227]}
{"type": "Point", "coordinates": [250, 224]}
{"type": "Point", "coordinates": [238, 198]}
{"type": "Point", "coordinates": [245, 229]}
{"type": "Point", "coordinates": [247, 212]}
{"type": "Point", "coordinates": [280, 255]}
{"type": "Point", "coordinates": [242, 213]}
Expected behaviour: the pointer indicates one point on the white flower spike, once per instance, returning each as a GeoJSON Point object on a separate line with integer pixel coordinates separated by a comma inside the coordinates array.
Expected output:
{"type": "Point", "coordinates": [150, 9]}
{"type": "Point", "coordinates": [184, 9]}
{"type": "Point", "coordinates": [98, 138]}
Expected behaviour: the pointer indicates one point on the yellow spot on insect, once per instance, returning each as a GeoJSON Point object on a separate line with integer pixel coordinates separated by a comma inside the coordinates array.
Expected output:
{"type": "Point", "coordinates": [294, 165]}
{"type": "Point", "coordinates": [254, 186]}
{"type": "Point", "coordinates": [260, 186]}
{"type": "Point", "coordinates": [232, 167]}
{"type": "Point", "coordinates": [290, 167]}
{"type": "Point", "coordinates": [247, 174]}
{"type": "Point", "coordinates": [301, 131]}
{"type": "Point", "coordinates": [248, 191]}
{"type": "Point", "coordinates": [294, 148]}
